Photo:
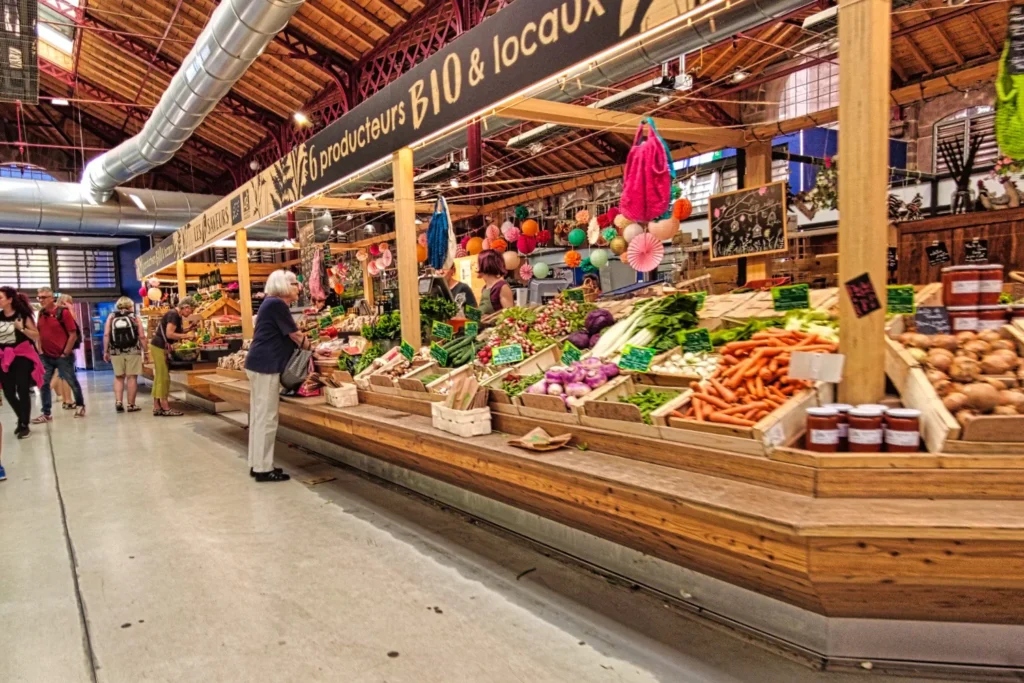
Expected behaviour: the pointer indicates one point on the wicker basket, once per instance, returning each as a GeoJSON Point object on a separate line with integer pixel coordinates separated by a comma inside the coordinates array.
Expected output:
{"type": "Point", "coordinates": [344, 396]}
{"type": "Point", "coordinates": [461, 422]}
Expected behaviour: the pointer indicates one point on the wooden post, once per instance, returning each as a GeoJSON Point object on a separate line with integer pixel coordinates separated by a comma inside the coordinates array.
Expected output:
{"type": "Point", "coordinates": [864, 64]}
{"type": "Point", "coordinates": [405, 241]}
{"type": "Point", "coordinates": [367, 285]}
{"type": "Point", "coordinates": [244, 284]}
{"type": "Point", "coordinates": [758, 172]}
{"type": "Point", "coordinates": [182, 287]}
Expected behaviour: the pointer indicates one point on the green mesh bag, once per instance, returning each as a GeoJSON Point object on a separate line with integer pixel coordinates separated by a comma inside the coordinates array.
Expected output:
{"type": "Point", "coordinates": [1009, 109]}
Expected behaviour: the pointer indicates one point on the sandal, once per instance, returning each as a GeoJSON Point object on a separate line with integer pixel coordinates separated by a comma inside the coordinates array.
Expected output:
{"type": "Point", "coordinates": [132, 408]}
{"type": "Point", "coordinates": [68, 406]}
{"type": "Point", "coordinates": [80, 411]}
{"type": "Point", "coordinates": [119, 407]}
{"type": "Point", "coordinates": [172, 413]}
{"type": "Point", "coordinates": [158, 413]}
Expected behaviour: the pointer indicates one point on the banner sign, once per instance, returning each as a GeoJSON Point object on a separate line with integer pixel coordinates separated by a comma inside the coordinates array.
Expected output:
{"type": "Point", "coordinates": [531, 41]}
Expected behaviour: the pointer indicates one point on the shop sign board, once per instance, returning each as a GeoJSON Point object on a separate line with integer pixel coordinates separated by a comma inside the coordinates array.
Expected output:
{"type": "Point", "coordinates": [748, 222]}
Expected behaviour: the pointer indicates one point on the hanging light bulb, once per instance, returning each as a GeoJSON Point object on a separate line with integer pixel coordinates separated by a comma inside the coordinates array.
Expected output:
{"type": "Point", "coordinates": [454, 182]}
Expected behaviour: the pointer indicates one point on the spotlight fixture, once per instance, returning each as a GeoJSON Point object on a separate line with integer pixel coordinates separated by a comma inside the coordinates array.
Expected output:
{"type": "Point", "coordinates": [254, 165]}
{"type": "Point", "coordinates": [59, 102]}
{"type": "Point", "coordinates": [300, 118]}
{"type": "Point", "coordinates": [454, 182]}
{"type": "Point", "coordinates": [740, 75]}
{"type": "Point", "coordinates": [366, 196]}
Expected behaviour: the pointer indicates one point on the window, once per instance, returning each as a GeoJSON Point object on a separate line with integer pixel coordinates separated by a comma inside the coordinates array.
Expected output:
{"type": "Point", "coordinates": [56, 31]}
{"type": "Point", "coordinates": [79, 269]}
{"type": "Point", "coordinates": [25, 268]}
{"type": "Point", "coordinates": [961, 126]}
{"type": "Point", "coordinates": [26, 171]}
{"type": "Point", "coordinates": [810, 90]}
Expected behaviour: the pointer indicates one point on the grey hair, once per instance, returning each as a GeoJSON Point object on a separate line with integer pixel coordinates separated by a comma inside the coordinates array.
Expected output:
{"type": "Point", "coordinates": [279, 283]}
{"type": "Point", "coordinates": [125, 304]}
{"type": "Point", "coordinates": [44, 290]}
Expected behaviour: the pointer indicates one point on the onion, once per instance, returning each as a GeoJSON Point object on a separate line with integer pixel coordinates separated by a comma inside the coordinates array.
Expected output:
{"type": "Point", "coordinates": [995, 383]}
{"type": "Point", "coordinates": [944, 387]}
{"type": "Point", "coordinates": [977, 346]}
{"type": "Point", "coordinates": [994, 364]}
{"type": "Point", "coordinates": [1011, 397]}
{"type": "Point", "coordinates": [964, 417]}
{"type": "Point", "coordinates": [965, 336]}
{"type": "Point", "coordinates": [1004, 345]}
{"type": "Point", "coordinates": [940, 359]}
{"type": "Point", "coordinates": [944, 341]}
{"type": "Point", "coordinates": [989, 336]}
{"type": "Point", "coordinates": [920, 355]}
{"type": "Point", "coordinates": [981, 396]}
{"type": "Point", "coordinates": [964, 370]}
{"type": "Point", "coordinates": [963, 353]}
{"type": "Point", "coordinates": [921, 341]}
{"type": "Point", "coordinates": [1005, 410]}
{"type": "Point", "coordinates": [935, 376]}
{"type": "Point", "coordinates": [955, 402]}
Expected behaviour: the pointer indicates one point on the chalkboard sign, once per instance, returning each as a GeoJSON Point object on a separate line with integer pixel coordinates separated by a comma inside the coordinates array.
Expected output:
{"type": "Point", "coordinates": [407, 350]}
{"type": "Point", "coordinates": [892, 260]}
{"type": "Point", "coordinates": [976, 251]}
{"type": "Point", "coordinates": [697, 340]}
{"type": "Point", "coordinates": [937, 254]}
{"type": "Point", "coordinates": [1015, 38]}
{"type": "Point", "coordinates": [748, 222]}
{"type": "Point", "coordinates": [473, 313]}
{"type": "Point", "coordinates": [441, 330]}
{"type": "Point", "coordinates": [472, 329]}
{"type": "Point", "coordinates": [862, 295]}
{"type": "Point", "coordinates": [933, 320]}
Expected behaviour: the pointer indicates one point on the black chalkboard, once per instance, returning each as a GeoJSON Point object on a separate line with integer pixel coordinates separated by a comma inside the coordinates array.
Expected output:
{"type": "Point", "coordinates": [1015, 39]}
{"type": "Point", "coordinates": [976, 251]}
{"type": "Point", "coordinates": [862, 295]}
{"type": "Point", "coordinates": [933, 320]}
{"type": "Point", "coordinates": [937, 254]}
{"type": "Point", "coordinates": [892, 260]}
{"type": "Point", "coordinates": [748, 222]}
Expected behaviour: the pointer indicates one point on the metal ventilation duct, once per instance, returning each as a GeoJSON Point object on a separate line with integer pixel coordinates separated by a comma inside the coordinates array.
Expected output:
{"type": "Point", "coordinates": [237, 33]}
{"type": "Point", "coordinates": [42, 206]}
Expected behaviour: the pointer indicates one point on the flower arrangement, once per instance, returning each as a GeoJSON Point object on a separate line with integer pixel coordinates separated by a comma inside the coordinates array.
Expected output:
{"type": "Point", "coordinates": [1006, 167]}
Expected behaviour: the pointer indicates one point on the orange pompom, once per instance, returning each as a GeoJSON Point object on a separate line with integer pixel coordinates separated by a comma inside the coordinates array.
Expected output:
{"type": "Point", "coordinates": [474, 246]}
{"type": "Point", "coordinates": [421, 253]}
{"type": "Point", "coordinates": [499, 245]}
{"type": "Point", "coordinates": [573, 259]}
{"type": "Point", "coordinates": [682, 209]}
{"type": "Point", "coordinates": [624, 257]}
{"type": "Point", "coordinates": [530, 228]}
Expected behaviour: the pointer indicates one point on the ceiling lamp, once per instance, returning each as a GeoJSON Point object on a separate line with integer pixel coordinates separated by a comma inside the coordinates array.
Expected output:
{"type": "Point", "coordinates": [454, 182]}
{"type": "Point", "coordinates": [740, 75]}
{"type": "Point", "coordinates": [300, 118]}
{"type": "Point", "coordinates": [366, 196]}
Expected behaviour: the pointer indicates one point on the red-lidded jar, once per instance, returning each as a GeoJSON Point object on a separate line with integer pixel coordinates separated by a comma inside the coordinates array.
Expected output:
{"type": "Point", "coordinates": [963, 318]}
{"type": "Point", "coordinates": [844, 422]}
{"type": "Point", "coordinates": [1017, 312]}
{"type": "Point", "coordinates": [992, 317]}
{"type": "Point", "coordinates": [866, 429]}
{"type": "Point", "coordinates": [903, 430]}
{"type": "Point", "coordinates": [822, 430]}
{"type": "Point", "coordinates": [960, 285]}
{"type": "Point", "coordinates": [990, 284]}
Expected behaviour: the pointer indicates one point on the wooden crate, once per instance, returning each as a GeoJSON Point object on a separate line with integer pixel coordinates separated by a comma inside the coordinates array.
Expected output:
{"type": "Point", "coordinates": [379, 382]}
{"type": "Point", "coordinates": [497, 399]}
{"type": "Point", "coordinates": [937, 424]}
{"type": "Point", "coordinates": [539, 362]}
{"type": "Point", "coordinates": [440, 386]}
{"type": "Point", "coordinates": [550, 408]}
{"type": "Point", "coordinates": [603, 409]}
{"type": "Point", "coordinates": [665, 380]}
{"type": "Point", "coordinates": [411, 385]}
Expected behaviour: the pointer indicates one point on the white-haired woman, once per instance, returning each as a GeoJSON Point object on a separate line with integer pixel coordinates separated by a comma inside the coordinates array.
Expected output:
{"type": "Point", "coordinates": [123, 341]}
{"type": "Point", "coordinates": [275, 338]}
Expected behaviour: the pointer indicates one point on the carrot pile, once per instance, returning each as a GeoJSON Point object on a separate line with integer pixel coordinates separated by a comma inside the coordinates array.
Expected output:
{"type": "Point", "coordinates": [752, 378]}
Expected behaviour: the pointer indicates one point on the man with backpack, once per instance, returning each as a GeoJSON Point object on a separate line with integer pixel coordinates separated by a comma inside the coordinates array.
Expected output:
{"type": "Point", "coordinates": [59, 336]}
{"type": "Point", "coordinates": [123, 340]}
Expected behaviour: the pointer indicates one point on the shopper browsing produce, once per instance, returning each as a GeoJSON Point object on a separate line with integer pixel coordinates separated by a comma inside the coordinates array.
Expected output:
{"type": "Point", "coordinates": [497, 294]}
{"type": "Point", "coordinates": [172, 329]}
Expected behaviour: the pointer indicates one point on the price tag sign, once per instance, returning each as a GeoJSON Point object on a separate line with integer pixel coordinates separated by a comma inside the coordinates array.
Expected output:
{"type": "Point", "coordinates": [325, 322]}
{"type": "Point", "coordinates": [937, 254]}
{"type": "Point", "coordinates": [570, 353]}
{"type": "Point", "coordinates": [438, 354]}
{"type": "Point", "coordinates": [862, 295]}
{"type": "Point", "coordinates": [637, 358]}
{"type": "Point", "coordinates": [892, 260]}
{"type": "Point", "coordinates": [205, 338]}
{"type": "Point", "coordinates": [933, 320]}
{"type": "Point", "coordinates": [473, 313]}
{"type": "Point", "coordinates": [574, 295]}
{"type": "Point", "coordinates": [441, 330]}
{"type": "Point", "coordinates": [791, 297]}
{"type": "Point", "coordinates": [472, 329]}
{"type": "Point", "coordinates": [817, 367]}
{"type": "Point", "coordinates": [407, 350]}
{"type": "Point", "coordinates": [503, 355]}
{"type": "Point", "coordinates": [976, 251]}
{"type": "Point", "coordinates": [697, 340]}
{"type": "Point", "coordinates": [900, 299]}
{"type": "Point", "coordinates": [701, 297]}
{"type": "Point", "coordinates": [337, 311]}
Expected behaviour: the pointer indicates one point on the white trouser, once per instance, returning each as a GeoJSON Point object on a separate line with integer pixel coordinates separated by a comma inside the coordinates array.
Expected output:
{"type": "Point", "coordinates": [264, 398]}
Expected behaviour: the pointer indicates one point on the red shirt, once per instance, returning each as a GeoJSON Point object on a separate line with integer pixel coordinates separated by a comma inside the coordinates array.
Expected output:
{"type": "Point", "coordinates": [54, 333]}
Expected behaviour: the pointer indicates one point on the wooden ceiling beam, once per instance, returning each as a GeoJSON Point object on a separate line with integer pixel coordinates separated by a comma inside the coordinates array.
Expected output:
{"type": "Point", "coordinates": [372, 205]}
{"type": "Point", "coordinates": [395, 9]}
{"type": "Point", "coordinates": [309, 33]}
{"type": "Point", "coordinates": [983, 33]}
{"type": "Point", "coordinates": [543, 111]}
{"type": "Point", "coordinates": [756, 45]}
{"type": "Point", "coordinates": [914, 48]}
{"type": "Point", "coordinates": [367, 16]}
{"type": "Point", "coordinates": [353, 30]}
{"type": "Point", "coordinates": [943, 36]}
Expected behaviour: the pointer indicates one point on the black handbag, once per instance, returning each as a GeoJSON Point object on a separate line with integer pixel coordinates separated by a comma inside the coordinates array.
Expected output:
{"type": "Point", "coordinates": [297, 370]}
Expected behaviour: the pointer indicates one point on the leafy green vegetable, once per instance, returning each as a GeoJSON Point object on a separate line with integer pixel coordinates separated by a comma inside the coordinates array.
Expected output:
{"type": "Point", "coordinates": [387, 327]}
{"type": "Point", "coordinates": [744, 332]}
{"type": "Point", "coordinates": [372, 353]}
{"type": "Point", "coordinates": [516, 386]}
{"type": "Point", "coordinates": [437, 308]}
{"type": "Point", "coordinates": [668, 318]}
{"type": "Point", "coordinates": [649, 400]}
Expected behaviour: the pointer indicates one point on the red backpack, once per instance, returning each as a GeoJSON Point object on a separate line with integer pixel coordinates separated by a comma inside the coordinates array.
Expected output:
{"type": "Point", "coordinates": [647, 182]}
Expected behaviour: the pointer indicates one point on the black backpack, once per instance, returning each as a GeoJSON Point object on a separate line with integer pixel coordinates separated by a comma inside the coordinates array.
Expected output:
{"type": "Point", "coordinates": [58, 314]}
{"type": "Point", "coordinates": [124, 332]}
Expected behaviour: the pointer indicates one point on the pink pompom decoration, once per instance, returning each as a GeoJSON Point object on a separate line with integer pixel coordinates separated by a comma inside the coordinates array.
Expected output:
{"type": "Point", "coordinates": [511, 234]}
{"type": "Point", "coordinates": [422, 239]}
{"type": "Point", "coordinates": [525, 271]}
{"type": "Point", "coordinates": [374, 250]}
{"type": "Point", "coordinates": [486, 244]}
{"type": "Point", "coordinates": [582, 217]}
{"type": "Point", "coordinates": [464, 242]}
{"type": "Point", "coordinates": [492, 232]}
{"type": "Point", "coordinates": [460, 252]}
{"type": "Point", "coordinates": [142, 291]}
{"type": "Point", "coordinates": [525, 244]}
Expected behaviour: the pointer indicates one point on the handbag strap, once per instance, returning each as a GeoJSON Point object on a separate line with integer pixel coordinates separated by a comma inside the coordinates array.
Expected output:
{"type": "Point", "coordinates": [639, 132]}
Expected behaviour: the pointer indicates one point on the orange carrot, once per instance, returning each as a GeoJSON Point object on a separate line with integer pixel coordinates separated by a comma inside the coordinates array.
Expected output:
{"type": "Point", "coordinates": [755, 368]}
{"type": "Point", "coordinates": [726, 394]}
{"type": "Point", "coordinates": [711, 400]}
{"type": "Point", "coordinates": [730, 420]}
{"type": "Point", "coordinates": [761, 414]}
{"type": "Point", "coordinates": [676, 413]}
{"type": "Point", "coordinates": [697, 413]}
{"type": "Point", "coordinates": [756, 405]}
{"type": "Point", "coordinates": [759, 386]}
{"type": "Point", "coordinates": [766, 373]}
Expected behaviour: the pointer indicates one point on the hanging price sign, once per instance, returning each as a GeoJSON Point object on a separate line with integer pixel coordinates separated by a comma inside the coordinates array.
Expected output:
{"type": "Point", "coordinates": [438, 354]}
{"type": "Point", "coordinates": [570, 353]}
{"type": "Point", "coordinates": [503, 355]}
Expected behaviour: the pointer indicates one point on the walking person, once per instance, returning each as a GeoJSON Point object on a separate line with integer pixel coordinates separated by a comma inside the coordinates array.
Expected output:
{"type": "Point", "coordinates": [20, 367]}
{"type": "Point", "coordinates": [123, 340]}
{"type": "Point", "coordinates": [275, 338]}
{"type": "Point", "coordinates": [59, 336]}
{"type": "Point", "coordinates": [171, 329]}
{"type": "Point", "coordinates": [58, 385]}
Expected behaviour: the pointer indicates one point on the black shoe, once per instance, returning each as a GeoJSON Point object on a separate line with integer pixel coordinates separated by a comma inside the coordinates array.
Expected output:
{"type": "Point", "coordinates": [119, 407]}
{"type": "Point", "coordinates": [252, 472]}
{"type": "Point", "coordinates": [271, 476]}
{"type": "Point", "coordinates": [22, 432]}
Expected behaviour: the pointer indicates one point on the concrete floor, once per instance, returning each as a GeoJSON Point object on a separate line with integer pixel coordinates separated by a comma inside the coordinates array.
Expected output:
{"type": "Point", "coordinates": [189, 571]}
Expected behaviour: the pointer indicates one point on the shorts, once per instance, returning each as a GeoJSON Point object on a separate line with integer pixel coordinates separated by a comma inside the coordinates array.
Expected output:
{"type": "Point", "coordinates": [127, 364]}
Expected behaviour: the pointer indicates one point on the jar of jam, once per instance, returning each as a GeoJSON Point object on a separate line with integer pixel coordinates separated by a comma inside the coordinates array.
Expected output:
{"type": "Point", "coordinates": [1017, 312]}
{"type": "Point", "coordinates": [960, 286]}
{"type": "Point", "coordinates": [992, 317]}
{"type": "Point", "coordinates": [844, 421]}
{"type": "Point", "coordinates": [990, 284]}
{"type": "Point", "coordinates": [963, 318]}
{"type": "Point", "coordinates": [903, 430]}
{"type": "Point", "coordinates": [866, 430]}
{"type": "Point", "coordinates": [822, 430]}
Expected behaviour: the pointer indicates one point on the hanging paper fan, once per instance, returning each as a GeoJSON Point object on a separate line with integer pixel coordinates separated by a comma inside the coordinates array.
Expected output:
{"type": "Point", "coordinates": [522, 213]}
{"type": "Point", "coordinates": [460, 252]}
{"type": "Point", "coordinates": [422, 239]}
{"type": "Point", "coordinates": [541, 270]}
{"type": "Point", "coordinates": [511, 259]}
{"type": "Point", "coordinates": [499, 245]}
{"type": "Point", "coordinates": [582, 217]}
{"type": "Point", "coordinates": [372, 269]}
{"type": "Point", "coordinates": [526, 244]}
{"type": "Point", "coordinates": [492, 232]}
{"type": "Point", "coordinates": [361, 255]}
{"type": "Point", "coordinates": [511, 234]}
{"type": "Point", "coordinates": [593, 232]}
{"type": "Point", "coordinates": [645, 253]}
{"type": "Point", "coordinates": [526, 272]}
{"type": "Point", "coordinates": [573, 259]}
{"type": "Point", "coordinates": [543, 237]}
{"type": "Point", "coordinates": [387, 258]}
{"type": "Point", "coordinates": [530, 228]}
{"type": "Point", "coordinates": [380, 264]}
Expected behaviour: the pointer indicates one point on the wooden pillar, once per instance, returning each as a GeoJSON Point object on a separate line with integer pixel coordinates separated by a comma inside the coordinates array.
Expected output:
{"type": "Point", "coordinates": [244, 284]}
{"type": "Point", "coordinates": [758, 172]}
{"type": "Point", "coordinates": [367, 285]}
{"type": "Point", "coordinates": [182, 287]}
{"type": "Point", "coordinates": [864, 64]}
{"type": "Point", "coordinates": [405, 241]}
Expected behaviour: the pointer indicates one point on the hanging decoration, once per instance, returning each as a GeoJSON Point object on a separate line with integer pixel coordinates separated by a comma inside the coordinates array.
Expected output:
{"type": "Point", "coordinates": [511, 234]}
{"type": "Point", "coordinates": [421, 239]}
{"type": "Point", "coordinates": [604, 220]}
{"type": "Point", "coordinates": [374, 250]}
{"type": "Point", "coordinates": [339, 289]}
{"type": "Point", "coordinates": [153, 282]}
{"type": "Point", "coordinates": [460, 252]}
{"type": "Point", "coordinates": [593, 231]}
{"type": "Point", "coordinates": [582, 217]}
{"type": "Point", "coordinates": [544, 237]}
{"type": "Point", "coordinates": [511, 259]}
{"type": "Point", "coordinates": [386, 258]}
{"type": "Point", "coordinates": [530, 228]}
{"type": "Point", "coordinates": [525, 272]}
{"type": "Point", "coordinates": [632, 231]}
{"type": "Point", "coordinates": [647, 179]}
{"type": "Point", "coordinates": [664, 229]}
{"type": "Point", "coordinates": [143, 292]}
{"type": "Point", "coordinates": [577, 237]}
{"type": "Point", "coordinates": [522, 213]}
{"type": "Point", "coordinates": [361, 255]}
{"type": "Point", "coordinates": [499, 245]}
{"type": "Point", "coordinates": [372, 269]}
{"type": "Point", "coordinates": [624, 257]}
{"type": "Point", "coordinates": [573, 259]}
{"type": "Point", "coordinates": [486, 244]}
{"type": "Point", "coordinates": [608, 234]}
{"type": "Point", "coordinates": [154, 294]}
{"type": "Point", "coordinates": [682, 209]}
{"type": "Point", "coordinates": [599, 258]}
{"type": "Point", "coordinates": [526, 244]}
{"type": "Point", "coordinates": [440, 236]}
{"type": "Point", "coordinates": [384, 246]}
{"type": "Point", "coordinates": [1009, 120]}
{"type": "Point", "coordinates": [492, 232]}
{"type": "Point", "coordinates": [474, 245]}
{"type": "Point", "coordinates": [621, 221]}
{"type": "Point", "coordinates": [645, 253]}
{"type": "Point", "coordinates": [541, 270]}
{"type": "Point", "coordinates": [618, 245]}
{"type": "Point", "coordinates": [421, 253]}
{"type": "Point", "coordinates": [464, 242]}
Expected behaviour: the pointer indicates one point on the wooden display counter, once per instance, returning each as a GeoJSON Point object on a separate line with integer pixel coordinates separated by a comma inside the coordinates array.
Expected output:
{"type": "Point", "coordinates": [194, 381]}
{"type": "Point", "coordinates": [928, 537]}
